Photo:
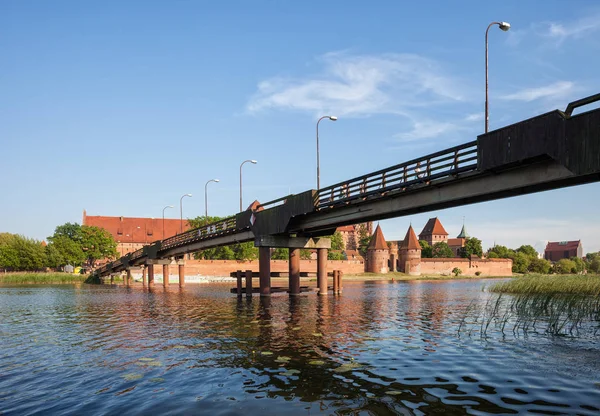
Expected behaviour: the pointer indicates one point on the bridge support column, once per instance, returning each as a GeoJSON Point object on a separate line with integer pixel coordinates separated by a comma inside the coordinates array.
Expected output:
{"type": "Point", "coordinates": [150, 275]}
{"type": "Point", "coordinates": [165, 275]}
{"type": "Point", "coordinates": [181, 268]}
{"type": "Point", "coordinates": [239, 274]}
{"type": "Point", "coordinates": [294, 271]}
{"type": "Point", "coordinates": [112, 279]}
{"type": "Point", "coordinates": [322, 271]}
{"type": "Point", "coordinates": [128, 278]}
{"type": "Point", "coordinates": [248, 283]}
{"type": "Point", "coordinates": [144, 276]}
{"type": "Point", "coordinates": [264, 264]}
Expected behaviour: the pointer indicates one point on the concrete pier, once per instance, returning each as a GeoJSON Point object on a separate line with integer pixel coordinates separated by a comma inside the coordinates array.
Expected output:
{"type": "Point", "coordinates": [294, 277]}
{"type": "Point", "coordinates": [144, 276]}
{"type": "Point", "coordinates": [181, 270]}
{"type": "Point", "coordinates": [264, 264]}
{"type": "Point", "coordinates": [150, 275]}
{"type": "Point", "coordinates": [322, 271]}
{"type": "Point", "coordinates": [249, 283]}
{"type": "Point", "coordinates": [165, 275]}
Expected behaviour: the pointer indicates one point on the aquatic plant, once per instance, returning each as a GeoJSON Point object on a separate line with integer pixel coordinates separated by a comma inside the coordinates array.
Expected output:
{"type": "Point", "coordinates": [540, 284]}
{"type": "Point", "coordinates": [41, 278]}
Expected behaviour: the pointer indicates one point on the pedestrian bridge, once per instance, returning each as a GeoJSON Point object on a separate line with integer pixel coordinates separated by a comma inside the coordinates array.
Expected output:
{"type": "Point", "coordinates": [554, 150]}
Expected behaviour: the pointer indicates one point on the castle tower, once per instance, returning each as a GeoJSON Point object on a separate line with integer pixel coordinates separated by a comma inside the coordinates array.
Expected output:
{"type": "Point", "coordinates": [410, 254]}
{"type": "Point", "coordinates": [377, 253]}
{"type": "Point", "coordinates": [434, 232]}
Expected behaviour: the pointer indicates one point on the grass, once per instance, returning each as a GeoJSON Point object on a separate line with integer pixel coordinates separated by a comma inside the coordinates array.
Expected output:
{"type": "Point", "coordinates": [404, 276]}
{"type": "Point", "coordinates": [550, 285]}
{"type": "Point", "coordinates": [42, 278]}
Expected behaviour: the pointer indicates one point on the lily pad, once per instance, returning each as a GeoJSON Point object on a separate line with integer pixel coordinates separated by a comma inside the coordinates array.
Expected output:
{"type": "Point", "coordinates": [132, 376]}
{"type": "Point", "coordinates": [296, 328]}
{"type": "Point", "coordinates": [289, 373]}
{"type": "Point", "coordinates": [157, 380]}
{"type": "Point", "coordinates": [266, 353]}
{"type": "Point", "coordinates": [146, 359]}
{"type": "Point", "coordinates": [393, 392]}
{"type": "Point", "coordinates": [347, 367]}
{"type": "Point", "coordinates": [316, 362]}
{"type": "Point", "coordinates": [282, 359]}
{"type": "Point", "coordinates": [317, 334]}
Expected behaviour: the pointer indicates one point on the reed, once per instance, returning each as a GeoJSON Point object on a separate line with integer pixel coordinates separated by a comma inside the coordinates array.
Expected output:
{"type": "Point", "coordinates": [550, 285]}
{"type": "Point", "coordinates": [41, 278]}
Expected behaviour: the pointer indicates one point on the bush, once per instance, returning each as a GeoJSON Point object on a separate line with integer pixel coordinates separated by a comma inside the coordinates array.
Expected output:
{"type": "Point", "coordinates": [477, 273]}
{"type": "Point", "coordinates": [456, 271]}
{"type": "Point", "coordinates": [541, 266]}
{"type": "Point", "coordinates": [565, 266]}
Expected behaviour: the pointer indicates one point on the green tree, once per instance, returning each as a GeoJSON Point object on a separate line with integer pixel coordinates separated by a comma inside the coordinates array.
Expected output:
{"type": "Point", "coordinates": [594, 266]}
{"type": "Point", "coordinates": [591, 256]}
{"type": "Point", "coordinates": [97, 243]}
{"type": "Point", "coordinates": [565, 266]}
{"type": "Point", "coordinates": [9, 255]}
{"type": "Point", "coordinates": [579, 264]}
{"type": "Point", "coordinates": [364, 238]}
{"type": "Point", "coordinates": [456, 271]}
{"type": "Point", "coordinates": [501, 251]}
{"type": "Point", "coordinates": [492, 255]}
{"type": "Point", "coordinates": [335, 255]}
{"type": "Point", "coordinates": [70, 251]}
{"type": "Point", "coordinates": [305, 254]}
{"type": "Point", "coordinates": [280, 254]}
{"type": "Point", "coordinates": [72, 231]}
{"type": "Point", "coordinates": [426, 252]}
{"type": "Point", "coordinates": [202, 220]}
{"type": "Point", "coordinates": [472, 247]}
{"type": "Point", "coordinates": [528, 251]}
{"type": "Point", "coordinates": [245, 251]}
{"type": "Point", "coordinates": [541, 266]}
{"type": "Point", "coordinates": [337, 241]}
{"type": "Point", "coordinates": [520, 262]}
{"type": "Point", "coordinates": [53, 257]}
{"type": "Point", "coordinates": [442, 250]}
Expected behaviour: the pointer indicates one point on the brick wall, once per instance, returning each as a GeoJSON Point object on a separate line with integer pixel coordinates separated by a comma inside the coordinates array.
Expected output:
{"type": "Point", "coordinates": [487, 267]}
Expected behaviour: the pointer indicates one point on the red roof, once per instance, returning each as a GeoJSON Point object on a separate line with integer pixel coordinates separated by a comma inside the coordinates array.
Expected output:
{"type": "Point", "coordinates": [136, 230]}
{"type": "Point", "coordinates": [433, 227]}
{"type": "Point", "coordinates": [460, 242]}
{"type": "Point", "coordinates": [562, 245]}
{"type": "Point", "coordinates": [378, 240]}
{"type": "Point", "coordinates": [410, 241]}
{"type": "Point", "coordinates": [346, 229]}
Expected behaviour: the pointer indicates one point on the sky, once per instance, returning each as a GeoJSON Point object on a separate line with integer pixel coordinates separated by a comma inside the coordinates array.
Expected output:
{"type": "Point", "coordinates": [120, 108]}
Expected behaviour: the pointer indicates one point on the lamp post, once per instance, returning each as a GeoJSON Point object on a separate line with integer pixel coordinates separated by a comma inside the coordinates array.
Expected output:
{"type": "Point", "coordinates": [332, 118]}
{"type": "Point", "coordinates": [206, 197]}
{"type": "Point", "coordinates": [181, 211]}
{"type": "Point", "coordinates": [254, 162]}
{"type": "Point", "coordinates": [163, 224]}
{"type": "Point", "coordinates": [504, 26]}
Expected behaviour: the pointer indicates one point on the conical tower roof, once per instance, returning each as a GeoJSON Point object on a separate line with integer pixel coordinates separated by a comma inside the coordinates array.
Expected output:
{"type": "Point", "coordinates": [433, 227]}
{"type": "Point", "coordinates": [463, 233]}
{"type": "Point", "coordinates": [411, 242]}
{"type": "Point", "coordinates": [378, 240]}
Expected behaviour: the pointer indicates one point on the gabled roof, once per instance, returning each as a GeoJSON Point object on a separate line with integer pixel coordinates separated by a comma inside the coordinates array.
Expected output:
{"type": "Point", "coordinates": [562, 245]}
{"type": "Point", "coordinates": [433, 227]}
{"type": "Point", "coordinates": [378, 240]}
{"type": "Point", "coordinates": [346, 229]}
{"type": "Point", "coordinates": [463, 233]}
{"type": "Point", "coordinates": [410, 241]}
{"type": "Point", "coordinates": [136, 230]}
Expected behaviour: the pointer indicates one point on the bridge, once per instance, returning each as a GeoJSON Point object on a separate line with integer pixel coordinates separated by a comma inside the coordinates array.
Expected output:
{"type": "Point", "coordinates": [553, 150]}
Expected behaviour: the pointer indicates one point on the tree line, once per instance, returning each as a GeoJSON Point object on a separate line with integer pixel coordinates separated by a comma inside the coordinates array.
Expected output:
{"type": "Point", "coordinates": [71, 244]}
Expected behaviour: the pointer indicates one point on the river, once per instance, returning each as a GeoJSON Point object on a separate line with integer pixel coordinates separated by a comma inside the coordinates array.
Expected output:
{"type": "Point", "coordinates": [379, 348]}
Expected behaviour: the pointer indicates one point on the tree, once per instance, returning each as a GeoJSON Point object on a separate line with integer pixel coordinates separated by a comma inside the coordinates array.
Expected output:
{"type": "Point", "coordinates": [200, 221]}
{"type": "Point", "coordinates": [72, 231]}
{"type": "Point", "coordinates": [472, 247]}
{"type": "Point", "coordinates": [492, 255]}
{"type": "Point", "coordinates": [456, 271]}
{"type": "Point", "coordinates": [280, 254]}
{"type": "Point", "coordinates": [579, 264]}
{"type": "Point", "coordinates": [541, 266]}
{"type": "Point", "coordinates": [426, 252]}
{"type": "Point", "coordinates": [245, 251]}
{"type": "Point", "coordinates": [70, 251]}
{"type": "Point", "coordinates": [364, 238]}
{"type": "Point", "coordinates": [501, 251]}
{"type": "Point", "coordinates": [590, 257]}
{"type": "Point", "coordinates": [442, 250]}
{"type": "Point", "coordinates": [335, 255]}
{"type": "Point", "coordinates": [97, 243]}
{"type": "Point", "coordinates": [9, 255]}
{"type": "Point", "coordinates": [565, 266]}
{"type": "Point", "coordinates": [528, 251]}
{"type": "Point", "coordinates": [520, 262]}
{"type": "Point", "coordinates": [594, 266]}
{"type": "Point", "coordinates": [305, 254]}
{"type": "Point", "coordinates": [337, 241]}
{"type": "Point", "coordinates": [53, 257]}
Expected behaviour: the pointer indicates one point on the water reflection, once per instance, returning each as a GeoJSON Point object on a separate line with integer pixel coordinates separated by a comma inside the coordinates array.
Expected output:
{"type": "Point", "coordinates": [381, 348]}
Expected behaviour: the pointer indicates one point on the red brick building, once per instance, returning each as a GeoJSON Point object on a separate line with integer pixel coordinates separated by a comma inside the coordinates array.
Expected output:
{"type": "Point", "coordinates": [434, 232]}
{"type": "Point", "coordinates": [132, 234]}
{"type": "Point", "coordinates": [563, 250]}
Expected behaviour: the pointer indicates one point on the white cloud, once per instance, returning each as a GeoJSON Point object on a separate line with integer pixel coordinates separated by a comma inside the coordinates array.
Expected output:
{"type": "Point", "coordinates": [424, 129]}
{"type": "Point", "coordinates": [362, 85]}
{"type": "Point", "coordinates": [474, 117]}
{"type": "Point", "coordinates": [575, 30]}
{"type": "Point", "coordinates": [559, 89]}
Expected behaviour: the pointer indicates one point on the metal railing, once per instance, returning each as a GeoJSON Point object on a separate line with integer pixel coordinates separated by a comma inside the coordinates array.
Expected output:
{"type": "Point", "coordinates": [224, 226]}
{"type": "Point", "coordinates": [399, 178]}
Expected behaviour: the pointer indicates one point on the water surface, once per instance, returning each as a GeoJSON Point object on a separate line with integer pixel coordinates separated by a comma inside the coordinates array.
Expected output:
{"type": "Point", "coordinates": [380, 348]}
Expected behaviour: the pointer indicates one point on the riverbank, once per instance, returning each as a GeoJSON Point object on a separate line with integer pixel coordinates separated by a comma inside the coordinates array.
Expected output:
{"type": "Point", "coordinates": [551, 284]}
{"type": "Point", "coordinates": [403, 276]}
{"type": "Point", "coordinates": [41, 278]}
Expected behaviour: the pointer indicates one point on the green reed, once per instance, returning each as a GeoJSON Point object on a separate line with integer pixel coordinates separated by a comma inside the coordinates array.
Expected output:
{"type": "Point", "coordinates": [41, 278]}
{"type": "Point", "coordinates": [551, 284]}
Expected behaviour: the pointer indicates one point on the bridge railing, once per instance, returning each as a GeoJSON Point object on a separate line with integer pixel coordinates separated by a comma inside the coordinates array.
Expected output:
{"type": "Point", "coordinates": [214, 229]}
{"type": "Point", "coordinates": [401, 177]}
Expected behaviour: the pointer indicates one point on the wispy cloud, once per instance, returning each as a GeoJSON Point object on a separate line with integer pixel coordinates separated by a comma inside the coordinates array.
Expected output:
{"type": "Point", "coordinates": [559, 89]}
{"type": "Point", "coordinates": [577, 29]}
{"type": "Point", "coordinates": [361, 85]}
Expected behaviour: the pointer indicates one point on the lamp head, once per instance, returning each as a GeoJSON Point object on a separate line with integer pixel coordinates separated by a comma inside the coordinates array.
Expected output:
{"type": "Point", "coordinates": [188, 194]}
{"type": "Point", "coordinates": [170, 206]}
{"type": "Point", "coordinates": [332, 118]}
{"type": "Point", "coordinates": [216, 180]}
{"type": "Point", "coordinates": [253, 162]}
{"type": "Point", "coordinates": [504, 26]}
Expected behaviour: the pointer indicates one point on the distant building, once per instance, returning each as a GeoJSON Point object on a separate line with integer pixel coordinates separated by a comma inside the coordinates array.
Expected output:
{"type": "Point", "coordinates": [457, 245]}
{"type": "Point", "coordinates": [351, 236]}
{"type": "Point", "coordinates": [378, 253]}
{"type": "Point", "coordinates": [132, 234]}
{"type": "Point", "coordinates": [434, 232]}
{"type": "Point", "coordinates": [563, 250]}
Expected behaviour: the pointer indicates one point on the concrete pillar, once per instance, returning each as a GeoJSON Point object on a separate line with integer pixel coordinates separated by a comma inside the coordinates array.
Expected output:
{"type": "Point", "coordinates": [128, 278]}
{"type": "Point", "coordinates": [112, 279]}
{"type": "Point", "coordinates": [165, 275]}
{"type": "Point", "coordinates": [392, 262]}
{"type": "Point", "coordinates": [336, 281]}
{"type": "Point", "coordinates": [249, 283]}
{"type": "Point", "coordinates": [181, 275]}
{"type": "Point", "coordinates": [340, 282]}
{"type": "Point", "coordinates": [294, 271]}
{"type": "Point", "coordinates": [322, 270]}
{"type": "Point", "coordinates": [144, 276]}
{"type": "Point", "coordinates": [150, 275]}
{"type": "Point", "coordinates": [239, 274]}
{"type": "Point", "coordinates": [264, 265]}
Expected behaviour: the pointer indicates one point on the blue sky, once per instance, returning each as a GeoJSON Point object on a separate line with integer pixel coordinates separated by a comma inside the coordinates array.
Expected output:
{"type": "Point", "coordinates": [120, 108]}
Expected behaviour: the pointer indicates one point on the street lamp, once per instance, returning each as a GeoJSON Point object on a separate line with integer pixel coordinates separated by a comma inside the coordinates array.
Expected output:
{"type": "Point", "coordinates": [163, 233]}
{"type": "Point", "coordinates": [332, 118]}
{"type": "Point", "coordinates": [504, 26]}
{"type": "Point", "coordinates": [206, 197]}
{"type": "Point", "coordinates": [181, 211]}
{"type": "Point", "coordinates": [254, 162]}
